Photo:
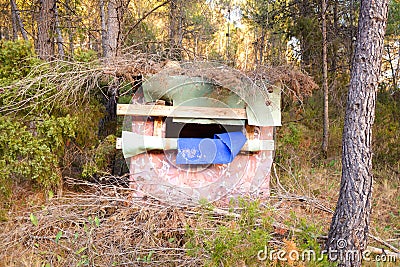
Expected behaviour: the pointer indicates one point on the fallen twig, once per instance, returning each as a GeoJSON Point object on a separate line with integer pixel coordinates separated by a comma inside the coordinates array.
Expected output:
{"type": "Point", "coordinates": [383, 242]}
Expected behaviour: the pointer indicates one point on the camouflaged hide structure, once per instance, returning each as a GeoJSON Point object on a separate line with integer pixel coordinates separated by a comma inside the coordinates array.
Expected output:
{"type": "Point", "coordinates": [155, 173]}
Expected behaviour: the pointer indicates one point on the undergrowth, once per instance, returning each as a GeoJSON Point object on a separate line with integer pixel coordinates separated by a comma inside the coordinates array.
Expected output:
{"type": "Point", "coordinates": [44, 136]}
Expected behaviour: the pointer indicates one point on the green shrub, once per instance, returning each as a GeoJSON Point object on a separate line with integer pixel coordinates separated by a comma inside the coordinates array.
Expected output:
{"type": "Point", "coordinates": [234, 241]}
{"type": "Point", "coordinates": [82, 55]}
{"type": "Point", "coordinates": [99, 158]}
{"type": "Point", "coordinates": [33, 153]}
{"type": "Point", "coordinates": [17, 58]}
{"type": "Point", "coordinates": [307, 239]}
{"type": "Point", "coordinates": [25, 156]}
{"type": "Point", "coordinates": [293, 136]}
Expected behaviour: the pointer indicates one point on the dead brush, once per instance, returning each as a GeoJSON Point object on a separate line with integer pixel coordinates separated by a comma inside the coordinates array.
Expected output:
{"type": "Point", "coordinates": [102, 226]}
{"type": "Point", "coordinates": [74, 83]}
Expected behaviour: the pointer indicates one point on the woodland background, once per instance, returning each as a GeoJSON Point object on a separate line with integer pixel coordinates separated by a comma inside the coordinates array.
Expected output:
{"type": "Point", "coordinates": [64, 65]}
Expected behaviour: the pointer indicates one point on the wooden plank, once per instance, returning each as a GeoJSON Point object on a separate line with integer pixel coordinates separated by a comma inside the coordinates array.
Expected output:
{"type": "Point", "coordinates": [251, 145]}
{"type": "Point", "coordinates": [181, 111]}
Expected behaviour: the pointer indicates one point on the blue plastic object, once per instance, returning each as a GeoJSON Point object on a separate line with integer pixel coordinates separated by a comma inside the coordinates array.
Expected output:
{"type": "Point", "coordinates": [220, 150]}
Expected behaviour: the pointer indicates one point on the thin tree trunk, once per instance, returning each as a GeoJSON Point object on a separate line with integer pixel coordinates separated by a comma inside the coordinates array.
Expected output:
{"type": "Point", "coordinates": [228, 36]}
{"type": "Point", "coordinates": [45, 44]}
{"type": "Point", "coordinates": [70, 29]}
{"type": "Point", "coordinates": [262, 45]}
{"type": "Point", "coordinates": [110, 39]}
{"type": "Point", "coordinates": [70, 39]}
{"type": "Point", "coordinates": [33, 22]}
{"type": "Point", "coordinates": [175, 29]}
{"type": "Point", "coordinates": [347, 237]}
{"type": "Point", "coordinates": [334, 45]}
{"type": "Point", "coordinates": [256, 45]}
{"type": "Point", "coordinates": [172, 26]}
{"type": "Point", "coordinates": [325, 138]}
{"type": "Point", "coordinates": [397, 71]}
{"type": "Point", "coordinates": [60, 40]}
{"type": "Point", "coordinates": [394, 80]}
{"type": "Point", "coordinates": [103, 29]}
{"type": "Point", "coordinates": [112, 29]}
{"type": "Point", "coordinates": [335, 34]}
{"type": "Point", "coordinates": [17, 22]}
{"type": "Point", "coordinates": [14, 20]}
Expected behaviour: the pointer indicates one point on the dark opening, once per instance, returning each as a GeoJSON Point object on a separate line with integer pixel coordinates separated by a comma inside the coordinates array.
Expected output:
{"type": "Point", "coordinates": [195, 130]}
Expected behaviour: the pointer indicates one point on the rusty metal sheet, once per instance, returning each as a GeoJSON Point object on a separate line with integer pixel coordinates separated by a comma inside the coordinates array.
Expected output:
{"type": "Point", "coordinates": [156, 174]}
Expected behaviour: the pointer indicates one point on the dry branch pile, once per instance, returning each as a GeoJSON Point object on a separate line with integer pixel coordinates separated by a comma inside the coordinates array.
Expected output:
{"type": "Point", "coordinates": [298, 85]}
{"type": "Point", "coordinates": [73, 83]}
{"type": "Point", "coordinates": [102, 226]}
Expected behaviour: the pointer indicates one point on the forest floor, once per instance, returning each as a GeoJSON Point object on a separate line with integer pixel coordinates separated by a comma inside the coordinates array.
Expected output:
{"type": "Point", "coordinates": [91, 224]}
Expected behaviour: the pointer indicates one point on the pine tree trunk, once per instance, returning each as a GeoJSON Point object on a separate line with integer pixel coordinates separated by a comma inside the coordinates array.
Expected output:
{"type": "Point", "coordinates": [45, 44]}
{"type": "Point", "coordinates": [172, 25]}
{"type": "Point", "coordinates": [347, 237]}
{"type": "Point", "coordinates": [71, 30]}
{"type": "Point", "coordinates": [17, 22]}
{"type": "Point", "coordinates": [262, 44]}
{"type": "Point", "coordinates": [112, 29]}
{"type": "Point", "coordinates": [60, 40]}
{"type": "Point", "coordinates": [110, 42]}
{"type": "Point", "coordinates": [325, 138]}
{"type": "Point", "coordinates": [397, 72]}
{"type": "Point", "coordinates": [14, 20]}
{"type": "Point", "coordinates": [175, 29]}
{"type": "Point", "coordinates": [71, 49]}
{"type": "Point", "coordinates": [104, 46]}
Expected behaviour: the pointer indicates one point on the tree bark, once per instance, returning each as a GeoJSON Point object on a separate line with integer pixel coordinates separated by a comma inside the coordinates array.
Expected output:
{"type": "Point", "coordinates": [262, 44]}
{"type": "Point", "coordinates": [347, 237]}
{"type": "Point", "coordinates": [70, 29]}
{"type": "Point", "coordinates": [175, 29]}
{"type": "Point", "coordinates": [17, 22]}
{"type": "Point", "coordinates": [60, 40]}
{"type": "Point", "coordinates": [103, 29]}
{"type": "Point", "coordinates": [325, 137]}
{"type": "Point", "coordinates": [110, 42]}
{"type": "Point", "coordinates": [397, 72]}
{"type": "Point", "coordinates": [45, 44]}
{"type": "Point", "coordinates": [112, 29]}
{"type": "Point", "coordinates": [14, 20]}
{"type": "Point", "coordinates": [172, 25]}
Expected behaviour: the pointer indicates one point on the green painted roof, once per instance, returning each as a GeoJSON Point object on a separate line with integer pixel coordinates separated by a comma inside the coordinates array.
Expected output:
{"type": "Point", "coordinates": [262, 108]}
